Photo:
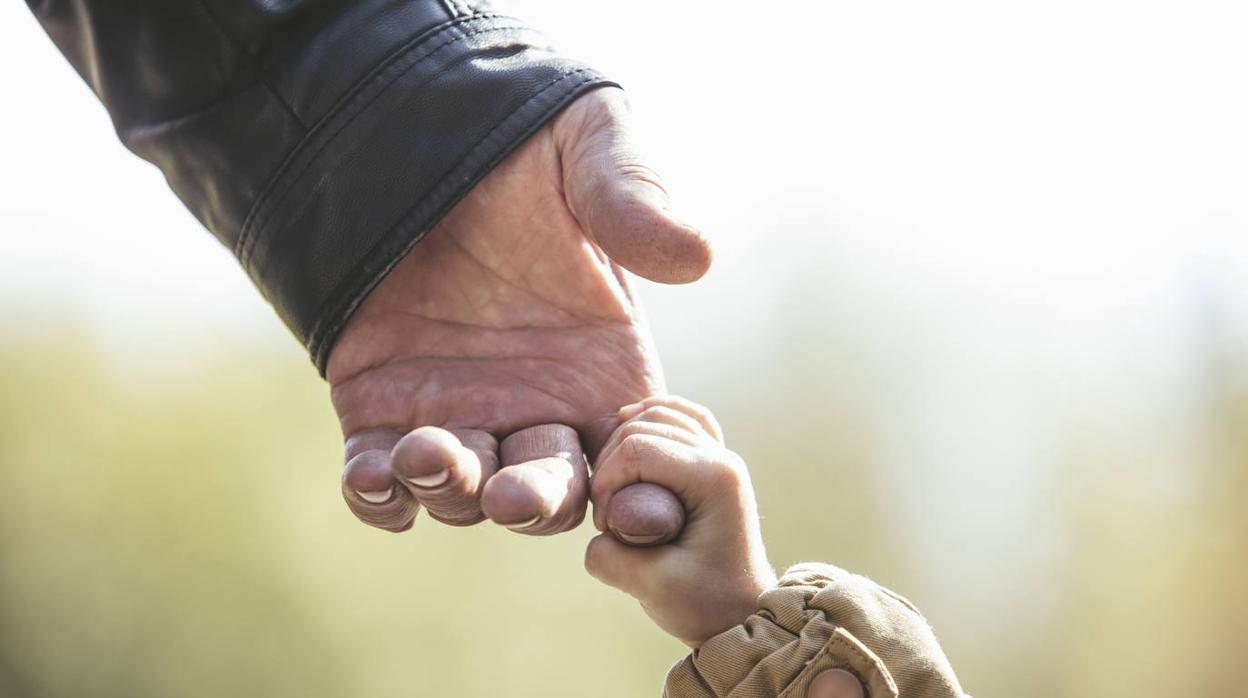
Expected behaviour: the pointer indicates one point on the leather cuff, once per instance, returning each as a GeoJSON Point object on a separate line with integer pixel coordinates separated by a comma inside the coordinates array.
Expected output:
{"type": "Point", "coordinates": [391, 159]}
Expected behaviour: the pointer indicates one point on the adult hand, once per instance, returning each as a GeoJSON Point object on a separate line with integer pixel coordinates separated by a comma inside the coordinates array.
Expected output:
{"type": "Point", "coordinates": [470, 379]}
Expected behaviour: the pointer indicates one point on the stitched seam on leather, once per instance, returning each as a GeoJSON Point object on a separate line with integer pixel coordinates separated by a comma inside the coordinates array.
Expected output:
{"type": "Point", "coordinates": [318, 333]}
{"type": "Point", "coordinates": [349, 108]}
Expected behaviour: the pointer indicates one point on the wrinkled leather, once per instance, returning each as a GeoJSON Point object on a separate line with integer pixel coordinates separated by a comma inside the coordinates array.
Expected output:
{"type": "Point", "coordinates": [318, 139]}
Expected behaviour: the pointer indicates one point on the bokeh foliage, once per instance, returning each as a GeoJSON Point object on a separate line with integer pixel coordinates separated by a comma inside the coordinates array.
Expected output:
{"type": "Point", "coordinates": [175, 529]}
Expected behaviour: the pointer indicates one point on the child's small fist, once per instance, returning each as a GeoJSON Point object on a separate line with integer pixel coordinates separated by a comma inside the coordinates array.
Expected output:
{"type": "Point", "coordinates": [708, 579]}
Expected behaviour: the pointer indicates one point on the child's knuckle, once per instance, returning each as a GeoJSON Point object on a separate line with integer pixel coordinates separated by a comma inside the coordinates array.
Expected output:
{"type": "Point", "coordinates": [654, 412]}
{"type": "Point", "coordinates": [729, 469]}
{"type": "Point", "coordinates": [629, 429]}
{"type": "Point", "coordinates": [636, 446]}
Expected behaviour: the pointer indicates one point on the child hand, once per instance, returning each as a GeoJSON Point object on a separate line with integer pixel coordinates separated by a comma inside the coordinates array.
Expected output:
{"type": "Point", "coordinates": [709, 578]}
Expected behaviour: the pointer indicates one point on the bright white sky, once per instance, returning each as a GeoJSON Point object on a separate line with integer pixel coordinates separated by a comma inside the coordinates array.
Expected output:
{"type": "Point", "coordinates": [1081, 158]}
{"type": "Point", "coordinates": [1013, 191]}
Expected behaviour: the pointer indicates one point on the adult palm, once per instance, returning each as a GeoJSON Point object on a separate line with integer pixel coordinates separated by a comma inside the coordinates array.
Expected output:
{"type": "Point", "coordinates": [469, 379]}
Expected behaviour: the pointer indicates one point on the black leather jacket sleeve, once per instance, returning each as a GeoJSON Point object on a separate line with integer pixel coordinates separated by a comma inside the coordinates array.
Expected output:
{"type": "Point", "coordinates": [318, 139]}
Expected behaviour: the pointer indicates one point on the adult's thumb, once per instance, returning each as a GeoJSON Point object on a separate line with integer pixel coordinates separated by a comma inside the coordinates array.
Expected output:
{"type": "Point", "coordinates": [619, 200]}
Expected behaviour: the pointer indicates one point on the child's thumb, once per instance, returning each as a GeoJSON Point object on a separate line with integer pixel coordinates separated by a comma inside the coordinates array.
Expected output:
{"type": "Point", "coordinates": [615, 564]}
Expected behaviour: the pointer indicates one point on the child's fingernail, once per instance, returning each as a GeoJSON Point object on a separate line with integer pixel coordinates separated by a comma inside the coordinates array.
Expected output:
{"type": "Point", "coordinates": [376, 497]}
{"type": "Point", "coordinates": [627, 412]}
{"type": "Point", "coordinates": [430, 481]}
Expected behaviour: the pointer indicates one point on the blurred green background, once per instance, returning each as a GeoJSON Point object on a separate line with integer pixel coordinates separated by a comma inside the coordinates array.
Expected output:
{"type": "Point", "coordinates": [178, 531]}
{"type": "Point", "coordinates": [978, 323]}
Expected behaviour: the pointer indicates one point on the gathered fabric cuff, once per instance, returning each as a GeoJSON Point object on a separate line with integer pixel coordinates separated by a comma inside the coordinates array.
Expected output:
{"type": "Point", "coordinates": [820, 617]}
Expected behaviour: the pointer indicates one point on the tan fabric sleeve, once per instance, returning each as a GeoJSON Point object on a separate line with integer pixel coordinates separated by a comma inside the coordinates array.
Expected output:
{"type": "Point", "coordinates": [820, 617]}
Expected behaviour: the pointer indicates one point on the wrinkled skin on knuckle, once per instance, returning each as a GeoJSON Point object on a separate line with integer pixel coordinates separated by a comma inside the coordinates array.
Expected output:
{"type": "Point", "coordinates": [573, 516]}
{"type": "Point", "coordinates": [394, 516]}
{"type": "Point", "coordinates": [467, 516]}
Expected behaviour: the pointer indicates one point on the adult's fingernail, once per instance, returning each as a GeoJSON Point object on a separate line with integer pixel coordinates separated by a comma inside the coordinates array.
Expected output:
{"type": "Point", "coordinates": [639, 541]}
{"type": "Point", "coordinates": [835, 683]}
{"type": "Point", "coordinates": [376, 497]}
{"type": "Point", "coordinates": [430, 481]}
{"type": "Point", "coordinates": [521, 525]}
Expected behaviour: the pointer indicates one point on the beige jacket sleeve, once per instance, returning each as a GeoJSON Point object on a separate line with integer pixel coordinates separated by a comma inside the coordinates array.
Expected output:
{"type": "Point", "coordinates": [820, 617]}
